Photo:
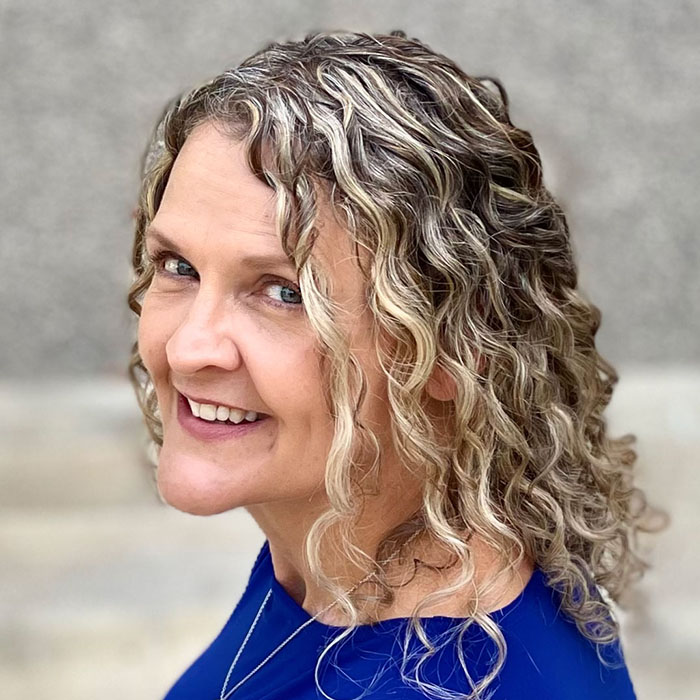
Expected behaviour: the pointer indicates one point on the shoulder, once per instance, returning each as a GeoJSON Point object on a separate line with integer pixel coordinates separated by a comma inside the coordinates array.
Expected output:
{"type": "Point", "coordinates": [545, 647]}
{"type": "Point", "coordinates": [547, 657]}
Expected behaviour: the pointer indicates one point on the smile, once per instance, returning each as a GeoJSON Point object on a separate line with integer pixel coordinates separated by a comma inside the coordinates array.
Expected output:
{"type": "Point", "coordinates": [208, 425]}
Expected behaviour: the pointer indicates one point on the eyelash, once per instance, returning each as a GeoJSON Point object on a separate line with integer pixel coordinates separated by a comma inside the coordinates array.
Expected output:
{"type": "Point", "coordinates": [158, 258]}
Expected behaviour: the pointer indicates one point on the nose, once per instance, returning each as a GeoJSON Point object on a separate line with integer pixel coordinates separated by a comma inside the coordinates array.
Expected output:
{"type": "Point", "coordinates": [205, 338]}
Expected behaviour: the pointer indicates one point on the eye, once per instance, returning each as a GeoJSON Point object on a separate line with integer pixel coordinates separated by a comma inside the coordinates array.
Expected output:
{"type": "Point", "coordinates": [171, 265]}
{"type": "Point", "coordinates": [290, 293]}
{"type": "Point", "coordinates": [160, 257]}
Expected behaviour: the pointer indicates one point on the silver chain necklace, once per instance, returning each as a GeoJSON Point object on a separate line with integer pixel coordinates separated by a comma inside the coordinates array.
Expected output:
{"type": "Point", "coordinates": [224, 694]}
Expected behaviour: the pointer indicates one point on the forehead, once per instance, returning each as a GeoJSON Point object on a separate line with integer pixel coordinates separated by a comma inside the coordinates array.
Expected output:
{"type": "Point", "coordinates": [211, 182]}
{"type": "Point", "coordinates": [212, 197]}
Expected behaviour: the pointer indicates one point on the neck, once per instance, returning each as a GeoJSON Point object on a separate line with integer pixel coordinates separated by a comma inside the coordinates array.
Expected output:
{"type": "Point", "coordinates": [285, 529]}
{"type": "Point", "coordinates": [286, 524]}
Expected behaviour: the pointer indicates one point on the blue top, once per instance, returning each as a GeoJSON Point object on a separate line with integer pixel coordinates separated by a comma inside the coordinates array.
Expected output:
{"type": "Point", "coordinates": [547, 657]}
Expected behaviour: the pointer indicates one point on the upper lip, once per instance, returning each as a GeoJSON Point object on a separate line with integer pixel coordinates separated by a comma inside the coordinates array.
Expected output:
{"type": "Point", "coordinates": [214, 402]}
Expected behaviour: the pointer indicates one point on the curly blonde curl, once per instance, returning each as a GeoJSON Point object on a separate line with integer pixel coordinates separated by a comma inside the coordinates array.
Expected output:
{"type": "Point", "coordinates": [471, 270]}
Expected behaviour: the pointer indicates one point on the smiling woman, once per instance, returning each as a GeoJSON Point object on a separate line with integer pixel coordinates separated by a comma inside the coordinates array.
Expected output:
{"type": "Point", "coordinates": [359, 320]}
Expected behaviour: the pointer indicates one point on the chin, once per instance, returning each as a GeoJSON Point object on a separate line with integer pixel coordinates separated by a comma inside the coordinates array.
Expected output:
{"type": "Point", "coordinates": [189, 500]}
{"type": "Point", "coordinates": [194, 506]}
{"type": "Point", "coordinates": [191, 487]}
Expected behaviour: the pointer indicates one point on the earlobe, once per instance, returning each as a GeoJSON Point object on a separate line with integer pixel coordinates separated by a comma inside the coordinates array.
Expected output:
{"type": "Point", "coordinates": [441, 385]}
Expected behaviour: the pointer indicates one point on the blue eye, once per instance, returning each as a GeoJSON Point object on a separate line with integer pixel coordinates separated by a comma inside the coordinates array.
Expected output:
{"type": "Point", "coordinates": [179, 269]}
{"type": "Point", "coordinates": [287, 287]}
{"type": "Point", "coordinates": [160, 257]}
{"type": "Point", "coordinates": [171, 265]}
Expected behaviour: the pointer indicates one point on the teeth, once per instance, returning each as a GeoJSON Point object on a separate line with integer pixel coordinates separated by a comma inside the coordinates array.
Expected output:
{"type": "Point", "coordinates": [235, 415]}
{"type": "Point", "coordinates": [211, 413]}
{"type": "Point", "coordinates": [222, 413]}
{"type": "Point", "coordinates": [207, 412]}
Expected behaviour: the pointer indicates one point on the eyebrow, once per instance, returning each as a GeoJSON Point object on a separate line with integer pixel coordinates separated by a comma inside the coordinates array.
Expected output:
{"type": "Point", "coordinates": [255, 261]}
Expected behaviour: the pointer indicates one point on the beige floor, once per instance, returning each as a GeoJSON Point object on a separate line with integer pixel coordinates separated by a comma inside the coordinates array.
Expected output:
{"type": "Point", "coordinates": [106, 593]}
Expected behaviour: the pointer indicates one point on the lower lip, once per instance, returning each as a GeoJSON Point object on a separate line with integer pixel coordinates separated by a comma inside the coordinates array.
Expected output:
{"type": "Point", "coordinates": [214, 430]}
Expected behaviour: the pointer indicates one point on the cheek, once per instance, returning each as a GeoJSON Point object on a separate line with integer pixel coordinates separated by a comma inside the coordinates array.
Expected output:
{"type": "Point", "coordinates": [153, 334]}
{"type": "Point", "coordinates": [363, 344]}
{"type": "Point", "coordinates": [291, 375]}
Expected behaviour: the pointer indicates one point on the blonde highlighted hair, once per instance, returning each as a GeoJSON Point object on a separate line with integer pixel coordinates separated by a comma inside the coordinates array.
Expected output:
{"type": "Point", "coordinates": [470, 270]}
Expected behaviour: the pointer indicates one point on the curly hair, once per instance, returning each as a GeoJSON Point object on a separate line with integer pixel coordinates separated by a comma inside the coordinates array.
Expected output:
{"type": "Point", "coordinates": [470, 270]}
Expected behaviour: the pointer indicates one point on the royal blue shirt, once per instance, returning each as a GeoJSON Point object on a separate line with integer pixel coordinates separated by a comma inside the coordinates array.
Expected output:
{"type": "Point", "coordinates": [547, 657]}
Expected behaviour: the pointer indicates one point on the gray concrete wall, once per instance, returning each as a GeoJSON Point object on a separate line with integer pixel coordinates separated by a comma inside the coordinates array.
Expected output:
{"type": "Point", "coordinates": [107, 593]}
{"type": "Point", "coordinates": [608, 89]}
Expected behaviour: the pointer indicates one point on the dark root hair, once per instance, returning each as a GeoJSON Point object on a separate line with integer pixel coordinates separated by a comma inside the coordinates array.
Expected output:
{"type": "Point", "coordinates": [471, 271]}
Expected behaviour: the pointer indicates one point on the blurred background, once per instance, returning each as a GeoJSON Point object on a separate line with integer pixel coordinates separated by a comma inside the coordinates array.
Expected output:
{"type": "Point", "coordinates": [105, 591]}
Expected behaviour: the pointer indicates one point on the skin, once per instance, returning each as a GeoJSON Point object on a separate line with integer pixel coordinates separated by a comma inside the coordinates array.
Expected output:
{"type": "Point", "coordinates": [223, 330]}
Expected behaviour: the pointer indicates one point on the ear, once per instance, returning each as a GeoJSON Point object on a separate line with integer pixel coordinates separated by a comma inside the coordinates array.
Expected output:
{"type": "Point", "coordinates": [441, 385]}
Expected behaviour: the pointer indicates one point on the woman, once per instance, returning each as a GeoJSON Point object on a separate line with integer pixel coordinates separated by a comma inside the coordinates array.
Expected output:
{"type": "Point", "coordinates": [416, 424]}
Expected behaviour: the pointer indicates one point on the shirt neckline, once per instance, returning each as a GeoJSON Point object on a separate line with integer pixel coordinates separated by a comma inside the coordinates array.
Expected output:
{"type": "Point", "coordinates": [292, 609]}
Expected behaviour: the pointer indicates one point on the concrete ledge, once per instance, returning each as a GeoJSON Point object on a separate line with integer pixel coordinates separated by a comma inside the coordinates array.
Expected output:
{"type": "Point", "coordinates": [102, 581]}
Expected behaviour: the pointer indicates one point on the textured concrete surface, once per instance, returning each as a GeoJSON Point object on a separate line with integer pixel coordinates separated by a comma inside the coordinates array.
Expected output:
{"type": "Point", "coordinates": [105, 592]}
{"type": "Point", "coordinates": [108, 593]}
{"type": "Point", "coordinates": [608, 90]}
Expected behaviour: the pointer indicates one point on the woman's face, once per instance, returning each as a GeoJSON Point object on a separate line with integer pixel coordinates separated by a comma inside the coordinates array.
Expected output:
{"type": "Point", "coordinates": [223, 322]}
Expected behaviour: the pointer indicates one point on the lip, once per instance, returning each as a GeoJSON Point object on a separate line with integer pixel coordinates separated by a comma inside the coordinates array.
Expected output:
{"type": "Point", "coordinates": [212, 430]}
